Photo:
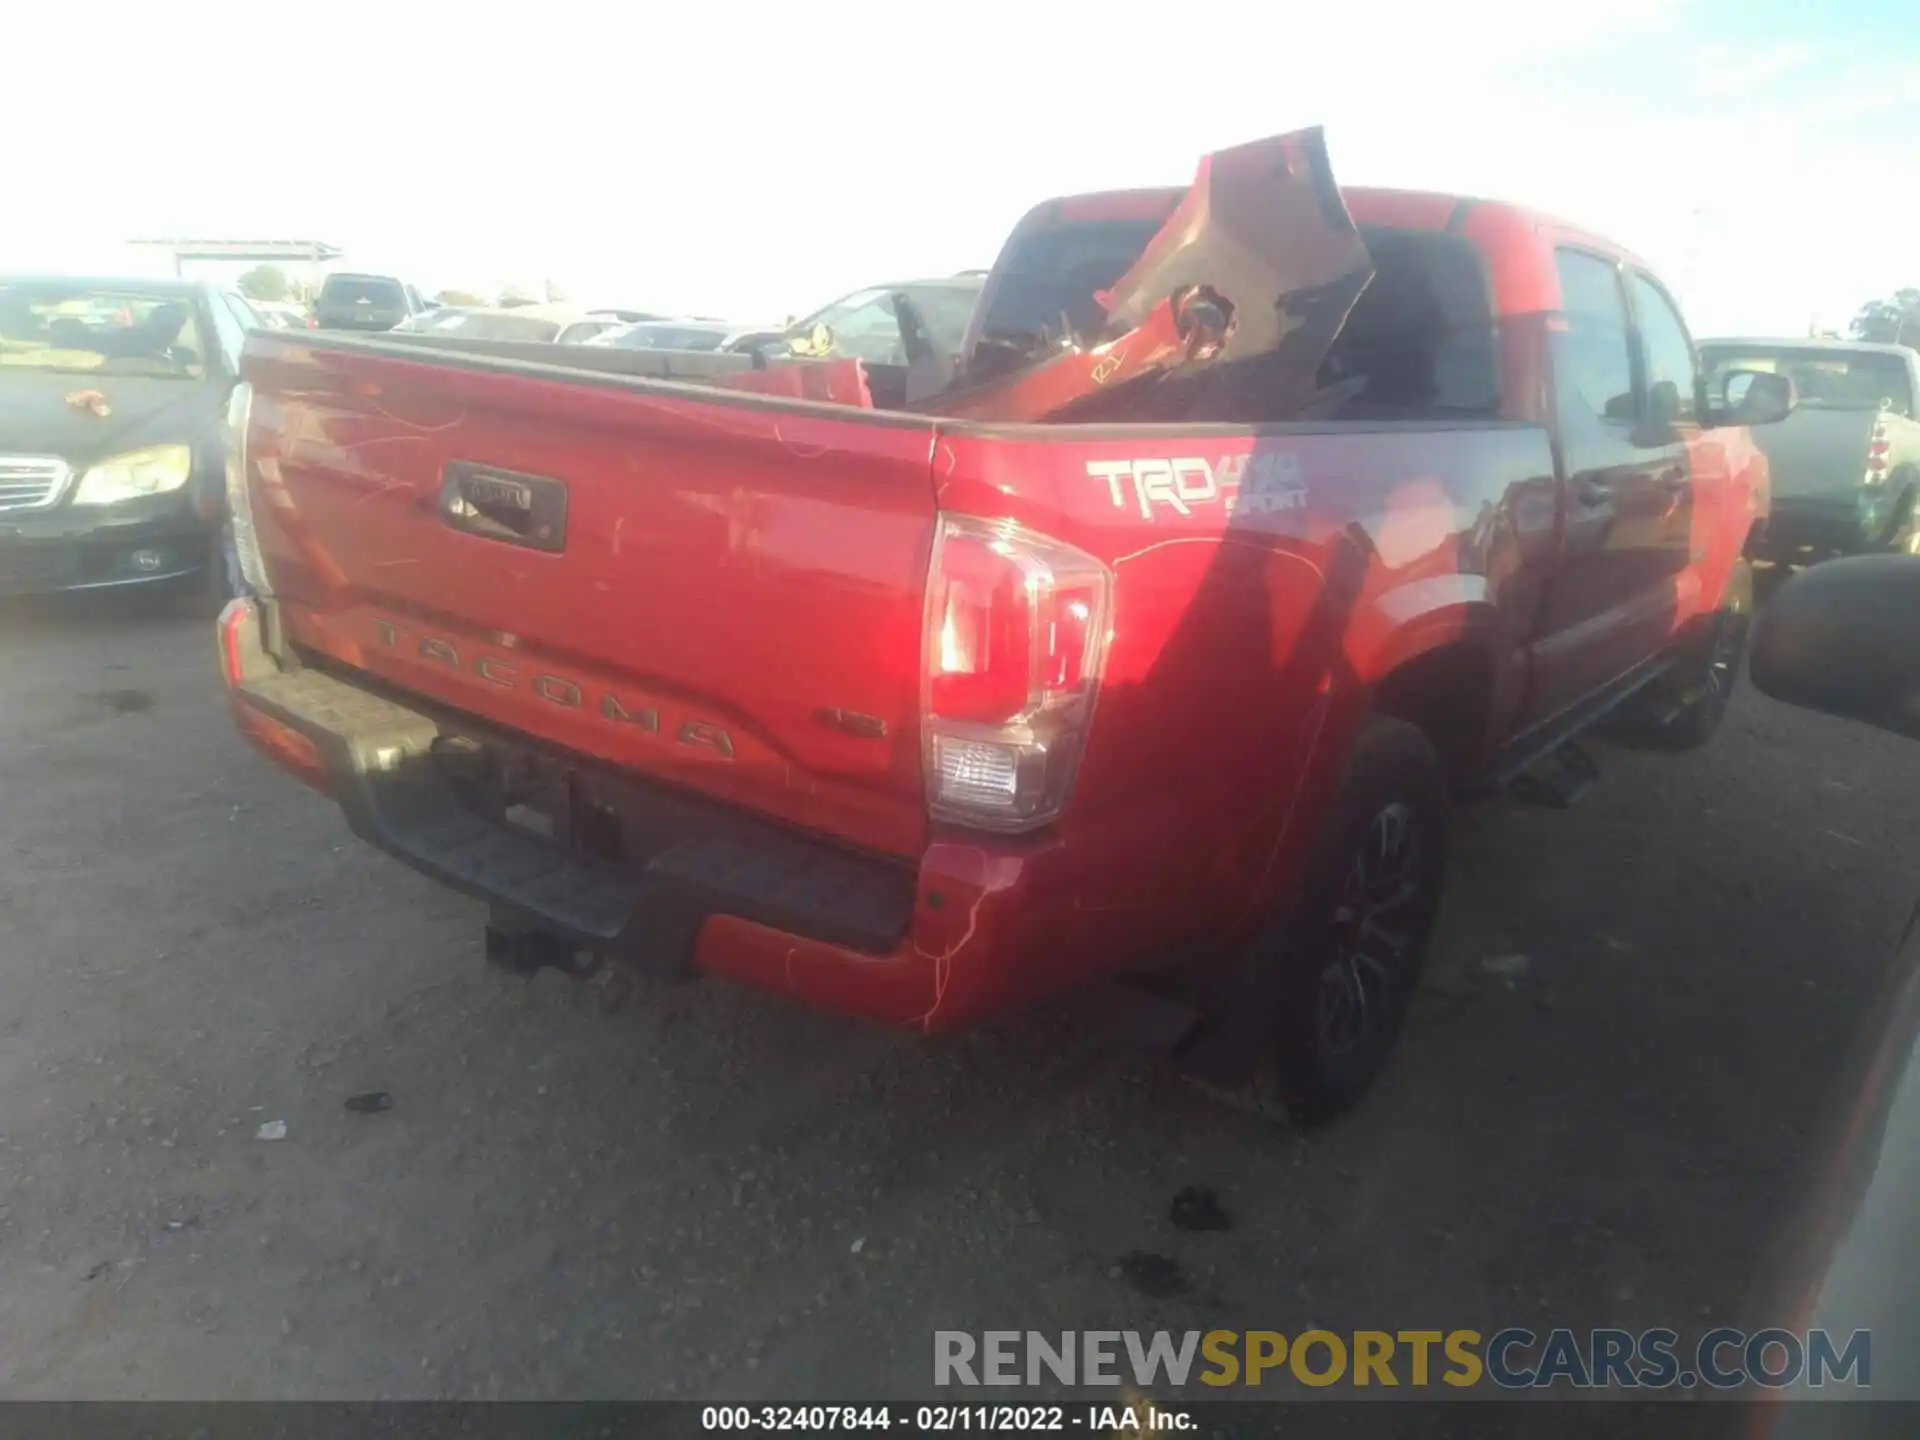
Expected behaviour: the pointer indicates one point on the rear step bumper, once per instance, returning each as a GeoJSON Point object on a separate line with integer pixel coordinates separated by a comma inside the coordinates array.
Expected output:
{"type": "Point", "coordinates": [979, 925]}
{"type": "Point", "coordinates": [682, 860]}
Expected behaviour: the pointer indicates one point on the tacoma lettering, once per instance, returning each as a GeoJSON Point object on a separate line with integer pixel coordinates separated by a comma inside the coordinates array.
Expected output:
{"type": "Point", "coordinates": [553, 689]}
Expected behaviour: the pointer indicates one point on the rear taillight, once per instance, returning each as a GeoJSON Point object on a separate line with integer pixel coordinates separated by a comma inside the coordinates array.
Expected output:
{"type": "Point", "coordinates": [242, 658]}
{"type": "Point", "coordinates": [246, 543]}
{"type": "Point", "coordinates": [234, 628]}
{"type": "Point", "coordinates": [1016, 638]}
{"type": "Point", "coordinates": [1878, 448]}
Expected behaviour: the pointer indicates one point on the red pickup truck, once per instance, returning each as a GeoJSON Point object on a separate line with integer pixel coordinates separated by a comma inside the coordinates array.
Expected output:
{"type": "Point", "coordinates": [1147, 637]}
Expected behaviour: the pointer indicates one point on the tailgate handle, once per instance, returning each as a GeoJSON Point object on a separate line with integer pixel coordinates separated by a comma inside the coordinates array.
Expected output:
{"type": "Point", "coordinates": [504, 505]}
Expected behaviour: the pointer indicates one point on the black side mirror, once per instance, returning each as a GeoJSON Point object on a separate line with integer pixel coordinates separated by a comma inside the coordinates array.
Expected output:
{"type": "Point", "coordinates": [1840, 638]}
{"type": "Point", "coordinates": [1755, 397]}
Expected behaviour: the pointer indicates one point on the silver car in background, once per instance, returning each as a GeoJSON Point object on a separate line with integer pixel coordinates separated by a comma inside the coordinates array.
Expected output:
{"type": "Point", "coordinates": [540, 324]}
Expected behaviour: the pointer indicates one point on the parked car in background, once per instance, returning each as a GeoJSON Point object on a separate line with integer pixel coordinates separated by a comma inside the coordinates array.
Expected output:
{"type": "Point", "coordinates": [690, 335]}
{"type": "Point", "coordinates": [280, 315]}
{"type": "Point", "coordinates": [1846, 463]}
{"type": "Point", "coordinates": [112, 439]}
{"type": "Point", "coordinates": [366, 302]}
{"type": "Point", "coordinates": [636, 317]}
{"type": "Point", "coordinates": [866, 324]}
{"type": "Point", "coordinates": [1264, 517]}
{"type": "Point", "coordinates": [428, 321]}
{"type": "Point", "coordinates": [549, 324]}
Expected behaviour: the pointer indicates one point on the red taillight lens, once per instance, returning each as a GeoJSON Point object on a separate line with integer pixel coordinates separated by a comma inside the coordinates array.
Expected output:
{"type": "Point", "coordinates": [982, 633]}
{"type": "Point", "coordinates": [236, 629]}
{"type": "Point", "coordinates": [1016, 638]}
{"type": "Point", "coordinates": [1878, 448]}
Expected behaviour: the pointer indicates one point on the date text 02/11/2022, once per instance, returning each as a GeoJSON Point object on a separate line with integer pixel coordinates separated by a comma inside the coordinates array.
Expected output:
{"type": "Point", "coordinates": [1132, 1417]}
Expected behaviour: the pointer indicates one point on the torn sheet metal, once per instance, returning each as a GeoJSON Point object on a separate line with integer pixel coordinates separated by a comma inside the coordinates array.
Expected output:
{"type": "Point", "coordinates": [1227, 314]}
{"type": "Point", "coordinates": [1044, 391]}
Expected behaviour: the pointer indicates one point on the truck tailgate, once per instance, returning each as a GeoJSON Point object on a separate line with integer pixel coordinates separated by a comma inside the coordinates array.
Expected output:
{"type": "Point", "coordinates": [725, 593]}
{"type": "Point", "coordinates": [1816, 452]}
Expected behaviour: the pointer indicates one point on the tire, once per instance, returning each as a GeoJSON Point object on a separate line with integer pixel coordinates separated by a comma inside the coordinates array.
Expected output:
{"type": "Point", "coordinates": [1337, 975]}
{"type": "Point", "coordinates": [1703, 682]}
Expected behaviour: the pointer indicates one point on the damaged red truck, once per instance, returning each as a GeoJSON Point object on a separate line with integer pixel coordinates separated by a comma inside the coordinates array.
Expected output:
{"type": "Point", "coordinates": [1148, 637]}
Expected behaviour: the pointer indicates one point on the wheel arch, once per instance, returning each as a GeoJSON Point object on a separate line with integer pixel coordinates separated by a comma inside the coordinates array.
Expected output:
{"type": "Point", "coordinates": [1432, 656]}
{"type": "Point", "coordinates": [1449, 690]}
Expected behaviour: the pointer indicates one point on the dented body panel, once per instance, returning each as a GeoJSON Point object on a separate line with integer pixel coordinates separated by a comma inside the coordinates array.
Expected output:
{"type": "Point", "coordinates": [738, 611]}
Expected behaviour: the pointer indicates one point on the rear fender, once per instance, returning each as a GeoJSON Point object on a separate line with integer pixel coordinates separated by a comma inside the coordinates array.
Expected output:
{"type": "Point", "coordinates": [1400, 628]}
{"type": "Point", "coordinates": [1419, 619]}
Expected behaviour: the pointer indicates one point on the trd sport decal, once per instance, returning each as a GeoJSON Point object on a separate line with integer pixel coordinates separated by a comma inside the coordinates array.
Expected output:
{"type": "Point", "coordinates": [1245, 484]}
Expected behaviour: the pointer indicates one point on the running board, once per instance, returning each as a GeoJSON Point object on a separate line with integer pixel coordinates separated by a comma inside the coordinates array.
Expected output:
{"type": "Point", "coordinates": [1544, 741]}
{"type": "Point", "coordinates": [1557, 783]}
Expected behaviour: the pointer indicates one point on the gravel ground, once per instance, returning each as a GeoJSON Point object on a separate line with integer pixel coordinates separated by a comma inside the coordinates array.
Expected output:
{"type": "Point", "coordinates": [1634, 1016]}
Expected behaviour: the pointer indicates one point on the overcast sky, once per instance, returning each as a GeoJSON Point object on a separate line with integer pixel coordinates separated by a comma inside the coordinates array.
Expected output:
{"type": "Point", "coordinates": [753, 163]}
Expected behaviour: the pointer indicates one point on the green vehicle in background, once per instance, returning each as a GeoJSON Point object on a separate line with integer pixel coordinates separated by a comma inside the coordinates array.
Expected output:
{"type": "Point", "coordinates": [1846, 463]}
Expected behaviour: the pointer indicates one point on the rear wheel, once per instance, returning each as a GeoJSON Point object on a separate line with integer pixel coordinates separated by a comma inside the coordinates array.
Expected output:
{"type": "Point", "coordinates": [1336, 977]}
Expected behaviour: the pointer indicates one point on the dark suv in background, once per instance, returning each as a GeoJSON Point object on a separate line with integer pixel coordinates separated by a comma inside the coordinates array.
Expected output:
{"type": "Point", "coordinates": [366, 302]}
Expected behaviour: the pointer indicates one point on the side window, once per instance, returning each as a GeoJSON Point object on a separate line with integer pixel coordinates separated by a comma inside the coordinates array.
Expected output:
{"type": "Point", "coordinates": [1593, 364]}
{"type": "Point", "coordinates": [230, 334]}
{"type": "Point", "coordinates": [1671, 368]}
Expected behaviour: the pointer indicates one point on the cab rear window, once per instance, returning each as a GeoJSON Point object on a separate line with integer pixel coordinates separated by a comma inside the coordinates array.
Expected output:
{"type": "Point", "coordinates": [1046, 287]}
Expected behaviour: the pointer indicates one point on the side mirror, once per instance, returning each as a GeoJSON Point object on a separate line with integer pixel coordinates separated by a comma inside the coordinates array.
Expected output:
{"type": "Point", "coordinates": [1755, 397]}
{"type": "Point", "coordinates": [1840, 638]}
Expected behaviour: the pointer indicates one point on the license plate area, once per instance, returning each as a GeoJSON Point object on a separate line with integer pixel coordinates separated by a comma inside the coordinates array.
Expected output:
{"type": "Point", "coordinates": [537, 793]}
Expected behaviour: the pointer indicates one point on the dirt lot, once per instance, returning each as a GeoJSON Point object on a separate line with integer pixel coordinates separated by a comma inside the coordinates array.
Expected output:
{"type": "Point", "coordinates": [713, 1193]}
